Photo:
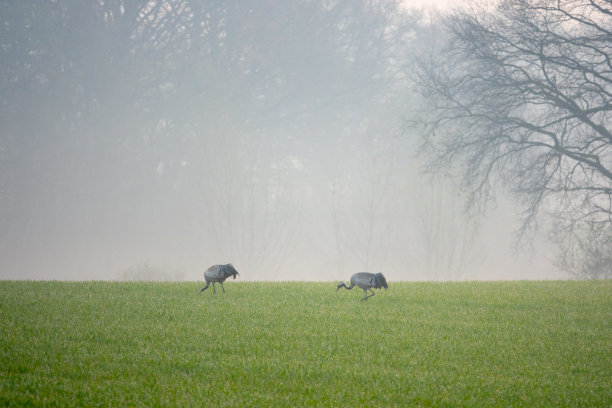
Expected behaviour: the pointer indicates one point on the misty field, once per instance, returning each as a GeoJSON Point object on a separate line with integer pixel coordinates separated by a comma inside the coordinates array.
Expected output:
{"type": "Point", "coordinates": [304, 344]}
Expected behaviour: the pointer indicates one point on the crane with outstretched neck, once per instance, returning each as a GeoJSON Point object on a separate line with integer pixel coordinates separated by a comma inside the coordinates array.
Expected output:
{"type": "Point", "coordinates": [366, 281]}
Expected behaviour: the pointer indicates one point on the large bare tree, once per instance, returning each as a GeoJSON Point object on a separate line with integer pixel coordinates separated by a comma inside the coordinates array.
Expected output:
{"type": "Point", "coordinates": [521, 97]}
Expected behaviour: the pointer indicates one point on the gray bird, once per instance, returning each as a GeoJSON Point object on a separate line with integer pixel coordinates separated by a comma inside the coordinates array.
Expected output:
{"type": "Point", "coordinates": [365, 281]}
{"type": "Point", "coordinates": [218, 273]}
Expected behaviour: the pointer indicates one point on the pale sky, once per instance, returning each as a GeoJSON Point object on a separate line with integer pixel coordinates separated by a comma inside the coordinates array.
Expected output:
{"type": "Point", "coordinates": [434, 3]}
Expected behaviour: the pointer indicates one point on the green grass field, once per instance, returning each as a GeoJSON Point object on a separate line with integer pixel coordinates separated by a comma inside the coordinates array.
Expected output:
{"type": "Point", "coordinates": [304, 344]}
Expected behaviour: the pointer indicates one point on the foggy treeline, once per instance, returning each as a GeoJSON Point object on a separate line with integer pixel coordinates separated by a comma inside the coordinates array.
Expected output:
{"type": "Point", "coordinates": [151, 139]}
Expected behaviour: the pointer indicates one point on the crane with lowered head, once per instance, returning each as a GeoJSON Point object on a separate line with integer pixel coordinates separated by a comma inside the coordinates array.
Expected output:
{"type": "Point", "coordinates": [366, 281]}
{"type": "Point", "coordinates": [218, 273]}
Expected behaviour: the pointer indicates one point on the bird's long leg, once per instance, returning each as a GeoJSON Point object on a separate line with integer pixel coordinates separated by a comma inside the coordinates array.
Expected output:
{"type": "Point", "coordinates": [366, 294]}
{"type": "Point", "coordinates": [365, 291]}
{"type": "Point", "coordinates": [214, 291]}
{"type": "Point", "coordinates": [222, 287]}
{"type": "Point", "coordinates": [205, 287]}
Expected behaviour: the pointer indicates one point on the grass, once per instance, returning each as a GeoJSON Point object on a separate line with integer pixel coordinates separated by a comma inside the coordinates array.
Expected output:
{"type": "Point", "coordinates": [304, 344]}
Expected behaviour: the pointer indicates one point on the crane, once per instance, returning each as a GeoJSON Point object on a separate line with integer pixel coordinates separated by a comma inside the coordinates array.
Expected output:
{"type": "Point", "coordinates": [366, 281]}
{"type": "Point", "coordinates": [218, 273]}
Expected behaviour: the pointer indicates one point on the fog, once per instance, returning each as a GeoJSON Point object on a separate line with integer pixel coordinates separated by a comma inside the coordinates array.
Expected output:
{"type": "Point", "coordinates": [150, 140]}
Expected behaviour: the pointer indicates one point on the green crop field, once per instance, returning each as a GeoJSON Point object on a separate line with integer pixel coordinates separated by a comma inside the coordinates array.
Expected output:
{"type": "Point", "coordinates": [304, 344]}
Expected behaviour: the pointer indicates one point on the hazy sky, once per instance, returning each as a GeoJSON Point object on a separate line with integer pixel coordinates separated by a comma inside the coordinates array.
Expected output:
{"type": "Point", "coordinates": [436, 3]}
{"type": "Point", "coordinates": [440, 4]}
{"type": "Point", "coordinates": [146, 142]}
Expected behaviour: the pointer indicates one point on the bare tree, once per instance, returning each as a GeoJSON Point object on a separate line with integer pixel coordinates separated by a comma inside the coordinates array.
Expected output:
{"type": "Point", "coordinates": [585, 249]}
{"type": "Point", "coordinates": [447, 235]}
{"type": "Point", "coordinates": [362, 197]}
{"type": "Point", "coordinates": [521, 96]}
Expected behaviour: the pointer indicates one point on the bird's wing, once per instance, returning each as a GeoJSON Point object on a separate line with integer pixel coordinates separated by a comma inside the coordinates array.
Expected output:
{"type": "Point", "coordinates": [363, 280]}
{"type": "Point", "coordinates": [214, 272]}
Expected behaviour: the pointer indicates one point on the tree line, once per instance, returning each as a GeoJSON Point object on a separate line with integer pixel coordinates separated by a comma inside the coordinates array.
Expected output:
{"type": "Point", "coordinates": [222, 106]}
